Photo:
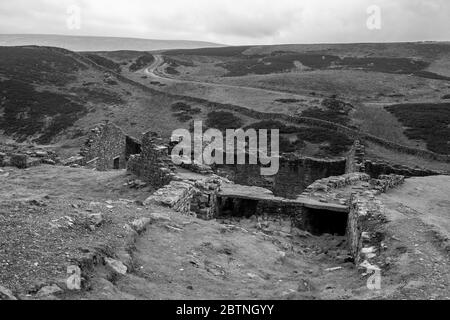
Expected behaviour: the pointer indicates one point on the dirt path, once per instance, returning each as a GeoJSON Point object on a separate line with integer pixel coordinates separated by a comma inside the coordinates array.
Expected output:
{"type": "Point", "coordinates": [419, 227]}
{"type": "Point", "coordinates": [258, 99]}
{"type": "Point", "coordinates": [154, 72]}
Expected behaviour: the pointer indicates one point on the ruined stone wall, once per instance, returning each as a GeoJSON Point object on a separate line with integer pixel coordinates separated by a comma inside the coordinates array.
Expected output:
{"type": "Point", "coordinates": [356, 158]}
{"type": "Point", "coordinates": [296, 174]}
{"type": "Point", "coordinates": [248, 175]}
{"type": "Point", "coordinates": [105, 143]}
{"type": "Point", "coordinates": [330, 183]}
{"type": "Point", "coordinates": [366, 222]}
{"type": "Point", "coordinates": [26, 156]}
{"type": "Point", "coordinates": [377, 168]}
{"type": "Point", "coordinates": [356, 162]}
{"type": "Point", "coordinates": [153, 165]}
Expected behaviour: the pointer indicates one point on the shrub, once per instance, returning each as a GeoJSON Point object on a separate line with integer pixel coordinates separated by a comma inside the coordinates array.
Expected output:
{"type": "Point", "coordinates": [337, 142]}
{"type": "Point", "coordinates": [426, 121]}
{"type": "Point", "coordinates": [142, 62]}
{"type": "Point", "coordinates": [104, 62]}
{"type": "Point", "coordinates": [223, 120]}
{"type": "Point", "coordinates": [28, 112]}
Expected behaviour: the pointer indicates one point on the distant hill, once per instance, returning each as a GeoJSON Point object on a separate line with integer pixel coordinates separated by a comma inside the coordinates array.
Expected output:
{"type": "Point", "coordinates": [84, 43]}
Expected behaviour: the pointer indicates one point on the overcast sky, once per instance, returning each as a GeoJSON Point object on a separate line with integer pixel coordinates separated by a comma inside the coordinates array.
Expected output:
{"type": "Point", "coordinates": [234, 21]}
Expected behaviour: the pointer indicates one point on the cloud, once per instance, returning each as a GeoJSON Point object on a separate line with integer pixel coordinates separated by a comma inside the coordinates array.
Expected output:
{"type": "Point", "coordinates": [234, 22]}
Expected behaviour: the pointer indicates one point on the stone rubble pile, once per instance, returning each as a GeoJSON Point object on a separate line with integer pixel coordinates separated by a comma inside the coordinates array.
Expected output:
{"type": "Point", "coordinates": [24, 157]}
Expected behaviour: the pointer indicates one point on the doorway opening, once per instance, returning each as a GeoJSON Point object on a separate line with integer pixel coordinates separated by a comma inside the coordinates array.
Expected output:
{"type": "Point", "coordinates": [319, 222]}
{"type": "Point", "coordinates": [116, 163]}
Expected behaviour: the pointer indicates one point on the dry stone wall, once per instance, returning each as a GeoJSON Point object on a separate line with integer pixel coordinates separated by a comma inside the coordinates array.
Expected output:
{"type": "Point", "coordinates": [377, 168]}
{"type": "Point", "coordinates": [356, 158]}
{"type": "Point", "coordinates": [366, 221]}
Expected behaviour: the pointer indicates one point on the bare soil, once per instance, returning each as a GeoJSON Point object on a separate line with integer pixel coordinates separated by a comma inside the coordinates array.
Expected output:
{"type": "Point", "coordinates": [182, 257]}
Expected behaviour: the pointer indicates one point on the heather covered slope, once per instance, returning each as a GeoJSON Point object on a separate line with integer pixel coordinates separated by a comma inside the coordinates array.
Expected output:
{"type": "Point", "coordinates": [52, 95]}
{"type": "Point", "coordinates": [381, 81]}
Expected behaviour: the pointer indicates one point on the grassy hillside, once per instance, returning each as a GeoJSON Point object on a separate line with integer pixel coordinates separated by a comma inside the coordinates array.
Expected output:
{"type": "Point", "coordinates": [370, 76]}
{"type": "Point", "coordinates": [85, 43]}
{"type": "Point", "coordinates": [426, 121]}
{"type": "Point", "coordinates": [52, 95]}
{"type": "Point", "coordinates": [411, 59]}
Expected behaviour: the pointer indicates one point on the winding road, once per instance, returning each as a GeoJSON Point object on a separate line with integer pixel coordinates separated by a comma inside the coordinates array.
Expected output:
{"type": "Point", "coordinates": [155, 73]}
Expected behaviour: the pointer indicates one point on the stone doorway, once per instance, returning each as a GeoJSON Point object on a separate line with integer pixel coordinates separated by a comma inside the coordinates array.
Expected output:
{"type": "Point", "coordinates": [116, 163]}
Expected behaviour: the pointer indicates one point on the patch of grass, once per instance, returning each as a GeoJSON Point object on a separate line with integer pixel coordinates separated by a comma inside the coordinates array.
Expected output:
{"type": "Point", "coordinates": [104, 62]}
{"type": "Point", "coordinates": [142, 62]}
{"type": "Point", "coordinates": [327, 115]}
{"type": "Point", "coordinates": [284, 61]}
{"type": "Point", "coordinates": [286, 146]}
{"type": "Point", "coordinates": [214, 52]}
{"type": "Point", "coordinates": [339, 106]}
{"type": "Point", "coordinates": [183, 107]}
{"type": "Point", "coordinates": [177, 62]}
{"type": "Point", "coordinates": [28, 112]}
{"type": "Point", "coordinates": [98, 95]}
{"type": "Point", "coordinates": [337, 142]}
{"type": "Point", "coordinates": [184, 112]}
{"type": "Point", "coordinates": [39, 65]}
{"type": "Point", "coordinates": [429, 122]}
{"type": "Point", "coordinates": [172, 71]}
{"type": "Point", "coordinates": [273, 125]}
{"type": "Point", "coordinates": [287, 100]}
{"type": "Point", "coordinates": [223, 120]}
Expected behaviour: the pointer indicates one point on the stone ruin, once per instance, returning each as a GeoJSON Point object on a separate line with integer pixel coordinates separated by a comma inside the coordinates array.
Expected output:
{"type": "Point", "coordinates": [26, 156]}
{"type": "Point", "coordinates": [320, 196]}
{"type": "Point", "coordinates": [107, 147]}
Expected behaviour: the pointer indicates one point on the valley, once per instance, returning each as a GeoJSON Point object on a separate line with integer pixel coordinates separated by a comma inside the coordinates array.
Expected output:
{"type": "Point", "coordinates": [92, 207]}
